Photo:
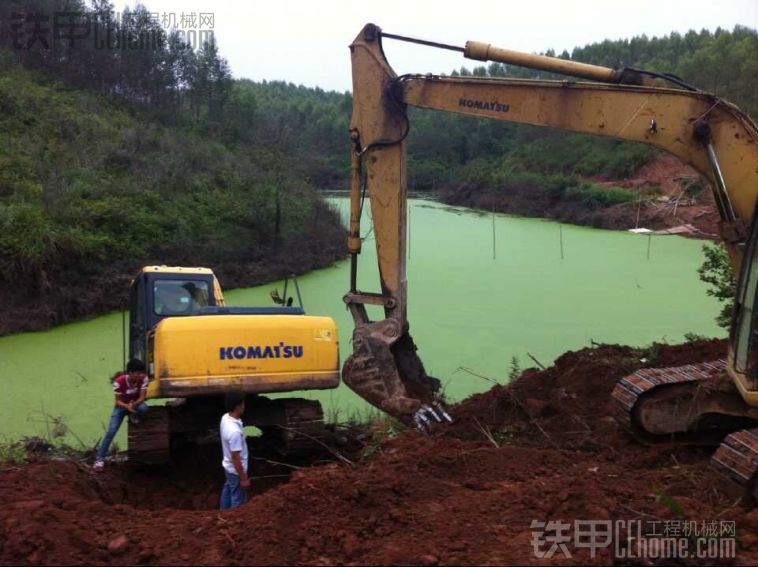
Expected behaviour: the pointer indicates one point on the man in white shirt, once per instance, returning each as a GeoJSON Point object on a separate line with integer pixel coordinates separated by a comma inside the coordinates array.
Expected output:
{"type": "Point", "coordinates": [234, 447]}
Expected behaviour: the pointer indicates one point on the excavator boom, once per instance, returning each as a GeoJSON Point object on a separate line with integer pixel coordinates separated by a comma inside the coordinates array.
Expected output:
{"type": "Point", "coordinates": [702, 130]}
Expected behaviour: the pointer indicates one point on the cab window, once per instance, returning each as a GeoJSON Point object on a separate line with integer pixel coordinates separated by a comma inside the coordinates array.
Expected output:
{"type": "Point", "coordinates": [744, 331]}
{"type": "Point", "coordinates": [179, 297]}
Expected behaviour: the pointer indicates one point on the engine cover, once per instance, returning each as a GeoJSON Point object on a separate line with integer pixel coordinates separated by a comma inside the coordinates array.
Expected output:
{"type": "Point", "coordinates": [211, 354]}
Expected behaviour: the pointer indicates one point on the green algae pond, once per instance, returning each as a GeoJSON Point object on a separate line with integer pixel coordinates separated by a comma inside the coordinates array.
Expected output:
{"type": "Point", "coordinates": [483, 290]}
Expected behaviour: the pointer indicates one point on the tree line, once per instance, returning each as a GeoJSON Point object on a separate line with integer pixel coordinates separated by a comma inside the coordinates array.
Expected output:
{"type": "Point", "coordinates": [308, 126]}
{"type": "Point", "coordinates": [119, 155]}
{"type": "Point", "coordinates": [115, 158]}
{"type": "Point", "coordinates": [447, 150]}
{"type": "Point", "coordinates": [128, 54]}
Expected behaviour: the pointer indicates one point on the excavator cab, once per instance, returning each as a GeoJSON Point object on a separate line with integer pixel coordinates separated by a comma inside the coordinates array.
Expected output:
{"type": "Point", "coordinates": [197, 348]}
{"type": "Point", "coordinates": [158, 293]}
{"type": "Point", "coordinates": [193, 343]}
{"type": "Point", "coordinates": [743, 335]}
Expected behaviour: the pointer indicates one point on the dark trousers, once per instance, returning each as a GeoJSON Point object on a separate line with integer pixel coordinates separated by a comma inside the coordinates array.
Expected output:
{"type": "Point", "coordinates": [232, 495]}
{"type": "Point", "coordinates": [117, 417]}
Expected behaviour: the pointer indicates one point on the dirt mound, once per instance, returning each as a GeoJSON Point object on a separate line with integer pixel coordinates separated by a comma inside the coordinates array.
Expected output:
{"type": "Point", "coordinates": [544, 449]}
{"type": "Point", "coordinates": [677, 183]}
{"type": "Point", "coordinates": [569, 403]}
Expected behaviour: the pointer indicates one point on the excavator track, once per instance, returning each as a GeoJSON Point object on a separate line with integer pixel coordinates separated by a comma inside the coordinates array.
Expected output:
{"type": "Point", "coordinates": [293, 425]}
{"type": "Point", "coordinates": [304, 428]}
{"type": "Point", "coordinates": [737, 457]}
{"type": "Point", "coordinates": [631, 392]}
{"type": "Point", "coordinates": [150, 439]}
{"type": "Point", "coordinates": [290, 425]}
{"type": "Point", "coordinates": [695, 403]}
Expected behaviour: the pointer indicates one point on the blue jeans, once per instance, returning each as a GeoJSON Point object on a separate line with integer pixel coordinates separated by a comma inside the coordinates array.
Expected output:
{"type": "Point", "coordinates": [117, 417]}
{"type": "Point", "coordinates": [232, 495]}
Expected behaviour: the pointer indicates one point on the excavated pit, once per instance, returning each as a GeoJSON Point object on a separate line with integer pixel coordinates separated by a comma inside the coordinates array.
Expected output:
{"type": "Point", "coordinates": [192, 481]}
{"type": "Point", "coordinates": [542, 449]}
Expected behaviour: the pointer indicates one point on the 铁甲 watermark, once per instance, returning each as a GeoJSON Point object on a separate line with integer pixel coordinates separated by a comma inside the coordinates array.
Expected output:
{"type": "Point", "coordinates": [635, 539]}
{"type": "Point", "coordinates": [128, 30]}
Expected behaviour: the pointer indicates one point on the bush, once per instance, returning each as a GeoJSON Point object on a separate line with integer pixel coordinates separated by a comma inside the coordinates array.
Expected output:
{"type": "Point", "coordinates": [88, 183]}
{"type": "Point", "coordinates": [717, 272]}
{"type": "Point", "coordinates": [594, 197]}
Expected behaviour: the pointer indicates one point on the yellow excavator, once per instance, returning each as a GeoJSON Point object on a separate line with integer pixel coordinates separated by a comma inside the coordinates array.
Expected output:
{"type": "Point", "coordinates": [701, 129]}
{"type": "Point", "coordinates": [197, 348]}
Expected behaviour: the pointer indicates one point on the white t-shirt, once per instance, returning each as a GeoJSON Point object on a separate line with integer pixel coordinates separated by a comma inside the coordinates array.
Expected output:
{"type": "Point", "coordinates": [232, 439]}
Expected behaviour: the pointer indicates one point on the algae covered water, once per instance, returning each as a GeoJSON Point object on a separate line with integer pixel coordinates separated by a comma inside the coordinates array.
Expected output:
{"type": "Point", "coordinates": [475, 302]}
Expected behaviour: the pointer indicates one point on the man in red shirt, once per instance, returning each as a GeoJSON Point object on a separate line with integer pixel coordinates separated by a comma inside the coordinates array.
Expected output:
{"type": "Point", "coordinates": [130, 389]}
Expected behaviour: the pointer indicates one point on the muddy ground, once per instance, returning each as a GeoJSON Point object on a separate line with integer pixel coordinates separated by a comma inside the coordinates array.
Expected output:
{"type": "Point", "coordinates": [543, 449]}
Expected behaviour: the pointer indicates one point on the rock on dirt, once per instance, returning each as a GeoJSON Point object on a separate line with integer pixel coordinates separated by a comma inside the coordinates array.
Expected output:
{"type": "Point", "coordinates": [118, 544]}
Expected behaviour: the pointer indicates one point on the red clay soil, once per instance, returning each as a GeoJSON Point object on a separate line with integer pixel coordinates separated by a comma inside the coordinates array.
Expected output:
{"type": "Point", "coordinates": [450, 498]}
{"type": "Point", "coordinates": [672, 177]}
{"type": "Point", "coordinates": [664, 174]}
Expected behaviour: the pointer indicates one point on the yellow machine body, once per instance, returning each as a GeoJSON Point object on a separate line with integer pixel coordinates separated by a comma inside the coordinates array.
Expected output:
{"type": "Point", "coordinates": [203, 355]}
{"type": "Point", "coordinates": [712, 135]}
{"type": "Point", "coordinates": [195, 345]}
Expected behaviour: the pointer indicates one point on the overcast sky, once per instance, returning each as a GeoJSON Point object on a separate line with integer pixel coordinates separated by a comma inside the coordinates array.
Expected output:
{"type": "Point", "coordinates": [305, 41]}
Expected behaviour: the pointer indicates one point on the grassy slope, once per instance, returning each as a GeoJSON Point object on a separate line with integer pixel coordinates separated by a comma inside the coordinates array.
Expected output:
{"type": "Point", "coordinates": [91, 188]}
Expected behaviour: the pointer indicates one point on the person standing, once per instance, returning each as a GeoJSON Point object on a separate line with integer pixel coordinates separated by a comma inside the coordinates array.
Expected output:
{"type": "Point", "coordinates": [130, 388]}
{"type": "Point", "coordinates": [234, 447]}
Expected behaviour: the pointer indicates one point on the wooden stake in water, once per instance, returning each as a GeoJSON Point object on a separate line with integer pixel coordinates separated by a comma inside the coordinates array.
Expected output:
{"type": "Point", "coordinates": [560, 236]}
{"type": "Point", "coordinates": [494, 248]}
{"type": "Point", "coordinates": [649, 241]}
{"type": "Point", "coordinates": [409, 230]}
{"type": "Point", "coordinates": [639, 206]}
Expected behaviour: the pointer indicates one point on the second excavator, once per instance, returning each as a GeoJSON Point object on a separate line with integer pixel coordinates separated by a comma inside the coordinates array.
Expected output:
{"type": "Point", "coordinates": [710, 134]}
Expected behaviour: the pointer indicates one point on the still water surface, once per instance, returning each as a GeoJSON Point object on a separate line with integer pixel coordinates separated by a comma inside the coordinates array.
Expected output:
{"type": "Point", "coordinates": [472, 305]}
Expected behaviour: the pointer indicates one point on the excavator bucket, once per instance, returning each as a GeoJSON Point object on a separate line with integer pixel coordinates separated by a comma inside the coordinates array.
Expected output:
{"type": "Point", "coordinates": [393, 379]}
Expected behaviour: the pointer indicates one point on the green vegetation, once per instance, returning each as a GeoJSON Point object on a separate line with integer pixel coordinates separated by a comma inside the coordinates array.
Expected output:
{"type": "Point", "coordinates": [12, 453]}
{"type": "Point", "coordinates": [310, 126]}
{"type": "Point", "coordinates": [455, 154]}
{"type": "Point", "coordinates": [717, 272]}
{"type": "Point", "coordinates": [722, 62]}
{"type": "Point", "coordinates": [85, 183]}
{"type": "Point", "coordinates": [119, 156]}
{"type": "Point", "coordinates": [694, 337]}
{"type": "Point", "coordinates": [114, 158]}
{"type": "Point", "coordinates": [514, 371]}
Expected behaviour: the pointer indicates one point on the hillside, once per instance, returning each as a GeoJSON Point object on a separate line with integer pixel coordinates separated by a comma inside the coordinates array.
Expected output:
{"type": "Point", "coordinates": [540, 172]}
{"type": "Point", "coordinates": [524, 169]}
{"type": "Point", "coordinates": [92, 187]}
{"type": "Point", "coordinates": [115, 158]}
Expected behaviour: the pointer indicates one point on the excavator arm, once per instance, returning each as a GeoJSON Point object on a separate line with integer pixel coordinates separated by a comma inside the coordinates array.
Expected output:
{"type": "Point", "coordinates": [710, 134]}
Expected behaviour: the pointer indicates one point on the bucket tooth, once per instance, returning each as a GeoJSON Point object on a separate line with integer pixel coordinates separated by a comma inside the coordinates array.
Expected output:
{"type": "Point", "coordinates": [390, 377]}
